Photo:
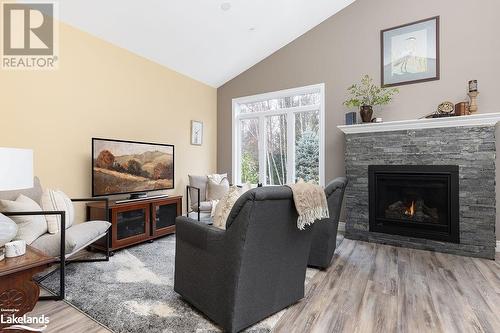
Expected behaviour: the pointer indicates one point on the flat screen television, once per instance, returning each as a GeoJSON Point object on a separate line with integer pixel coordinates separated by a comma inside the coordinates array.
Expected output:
{"type": "Point", "coordinates": [125, 167]}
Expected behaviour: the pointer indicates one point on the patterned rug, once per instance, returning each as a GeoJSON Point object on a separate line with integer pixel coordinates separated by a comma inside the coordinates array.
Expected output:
{"type": "Point", "coordinates": [133, 292]}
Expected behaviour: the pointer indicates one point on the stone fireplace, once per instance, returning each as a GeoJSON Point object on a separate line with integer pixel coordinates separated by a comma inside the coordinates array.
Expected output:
{"type": "Point", "coordinates": [426, 184]}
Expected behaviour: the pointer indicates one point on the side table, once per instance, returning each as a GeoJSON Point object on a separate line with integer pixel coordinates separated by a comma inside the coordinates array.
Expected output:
{"type": "Point", "coordinates": [18, 292]}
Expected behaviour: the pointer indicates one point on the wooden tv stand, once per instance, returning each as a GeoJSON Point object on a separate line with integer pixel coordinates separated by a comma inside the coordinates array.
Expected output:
{"type": "Point", "coordinates": [137, 221]}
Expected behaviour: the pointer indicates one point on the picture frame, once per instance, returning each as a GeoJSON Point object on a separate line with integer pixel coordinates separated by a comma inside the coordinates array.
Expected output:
{"type": "Point", "coordinates": [410, 53]}
{"type": "Point", "coordinates": [196, 132]}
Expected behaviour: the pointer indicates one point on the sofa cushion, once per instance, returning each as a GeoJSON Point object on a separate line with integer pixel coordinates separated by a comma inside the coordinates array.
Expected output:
{"type": "Point", "coordinates": [205, 206]}
{"type": "Point", "coordinates": [77, 237]}
{"type": "Point", "coordinates": [30, 227]}
{"type": "Point", "coordinates": [55, 200]}
{"type": "Point", "coordinates": [198, 182]}
{"type": "Point", "coordinates": [204, 217]}
{"type": "Point", "coordinates": [8, 230]}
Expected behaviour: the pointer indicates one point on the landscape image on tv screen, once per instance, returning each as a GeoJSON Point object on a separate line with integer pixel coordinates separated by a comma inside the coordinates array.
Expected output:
{"type": "Point", "coordinates": [126, 167]}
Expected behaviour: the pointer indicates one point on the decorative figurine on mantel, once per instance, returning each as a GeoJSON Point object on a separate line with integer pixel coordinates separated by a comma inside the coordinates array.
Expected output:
{"type": "Point", "coordinates": [473, 92]}
{"type": "Point", "coordinates": [366, 95]}
{"type": "Point", "coordinates": [445, 109]}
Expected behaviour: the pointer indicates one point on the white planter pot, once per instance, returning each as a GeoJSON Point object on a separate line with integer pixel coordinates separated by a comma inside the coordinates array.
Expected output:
{"type": "Point", "coordinates": [15, 249]}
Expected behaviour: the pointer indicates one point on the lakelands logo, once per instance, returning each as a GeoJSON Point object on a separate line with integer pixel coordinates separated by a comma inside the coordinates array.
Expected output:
{"type": "Point", "coordinates": [24, 323]}
{"type": "Point", "coordinates": [29, 36]}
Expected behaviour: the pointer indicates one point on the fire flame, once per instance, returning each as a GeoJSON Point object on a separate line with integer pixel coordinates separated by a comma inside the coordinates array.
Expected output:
{"type": "Point", "coordinates": [410, 210]}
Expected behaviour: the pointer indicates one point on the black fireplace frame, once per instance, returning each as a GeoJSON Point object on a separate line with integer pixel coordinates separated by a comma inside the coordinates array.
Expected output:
{"type": "Point", "coordinates": [384, 225]}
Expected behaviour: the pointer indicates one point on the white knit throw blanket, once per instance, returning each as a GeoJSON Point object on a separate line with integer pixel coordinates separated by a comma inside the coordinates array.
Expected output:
{"type": "Point", "coordinates": [310, 202]}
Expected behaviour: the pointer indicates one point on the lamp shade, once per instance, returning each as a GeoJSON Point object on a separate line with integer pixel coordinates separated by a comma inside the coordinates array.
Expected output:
{"type": "Point", "coordinates": [16, 169]}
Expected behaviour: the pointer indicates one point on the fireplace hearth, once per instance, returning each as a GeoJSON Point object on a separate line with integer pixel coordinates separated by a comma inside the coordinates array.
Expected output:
{"type": "Point", "coordinates": [414, 200]}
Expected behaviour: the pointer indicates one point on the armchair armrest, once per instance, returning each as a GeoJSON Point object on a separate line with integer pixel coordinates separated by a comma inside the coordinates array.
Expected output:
{"type": "Point", "coordinates": [188, 195]}
{"type": "Point", "coordinates": [196, 233]}
{"type": "Point", "coordinates": [62, 214]}
{"type": "Point", "coordinates": [337, 184]}
{"type": "Point", "coordinates": [105, 200]}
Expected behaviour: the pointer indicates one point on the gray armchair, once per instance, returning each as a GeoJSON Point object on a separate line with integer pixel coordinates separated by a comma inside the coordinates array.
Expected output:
{"type": "Point", "coordinates": [249, 271]}
{"type": "Point", "coordinates": [324, 240]}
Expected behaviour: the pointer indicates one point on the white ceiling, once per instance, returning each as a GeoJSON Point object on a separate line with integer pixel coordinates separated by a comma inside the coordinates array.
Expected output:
{"type": "Point", "coordinates": [196, 37]}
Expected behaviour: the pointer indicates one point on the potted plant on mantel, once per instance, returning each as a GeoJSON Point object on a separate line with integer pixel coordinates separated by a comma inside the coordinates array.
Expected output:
{"type": "Point", "coordinates": [366, 95]}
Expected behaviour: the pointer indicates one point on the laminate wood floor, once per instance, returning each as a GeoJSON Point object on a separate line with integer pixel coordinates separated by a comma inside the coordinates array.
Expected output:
{"type": "Point", "coordinates": [372, 288]}
{"type": "Point", "coordinates": [380, 288]}
{"type": "Point", "coordinates": [64, 318]}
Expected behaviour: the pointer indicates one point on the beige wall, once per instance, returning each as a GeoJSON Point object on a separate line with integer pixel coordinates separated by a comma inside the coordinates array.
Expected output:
{"type": "Point", "coordinates": [101, 90]}
{"type": "Point", "coordinates": [346, 46]}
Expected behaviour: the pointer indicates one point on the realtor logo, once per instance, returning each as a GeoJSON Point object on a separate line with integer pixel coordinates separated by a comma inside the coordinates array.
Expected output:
{"type": "Point", "coordinates": [25, 323]}
{"type": "Point", "coordinates": [29, 36]}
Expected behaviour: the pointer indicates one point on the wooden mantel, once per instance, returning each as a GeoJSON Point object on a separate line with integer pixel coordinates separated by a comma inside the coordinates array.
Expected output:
{"type": "Point", "coordinates": [483, 119]}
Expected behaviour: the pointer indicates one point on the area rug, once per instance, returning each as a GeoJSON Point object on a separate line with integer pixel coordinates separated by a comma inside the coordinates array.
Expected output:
{"type": "Point", "coordinates": [133, 292]}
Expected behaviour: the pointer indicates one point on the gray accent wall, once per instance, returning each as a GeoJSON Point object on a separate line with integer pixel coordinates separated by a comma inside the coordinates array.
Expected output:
{"type": "Point", "coordinates": [347, 45]}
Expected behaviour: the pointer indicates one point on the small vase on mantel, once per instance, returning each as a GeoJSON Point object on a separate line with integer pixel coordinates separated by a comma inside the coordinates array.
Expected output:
{"type": "Point", "coordinates": [366, 112]}
{"type": "Point", "coordinates": [366, 95]}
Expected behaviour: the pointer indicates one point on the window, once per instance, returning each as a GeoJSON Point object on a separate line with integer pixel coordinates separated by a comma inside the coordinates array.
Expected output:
{"type": "Point", "coordinates": [278, 137]}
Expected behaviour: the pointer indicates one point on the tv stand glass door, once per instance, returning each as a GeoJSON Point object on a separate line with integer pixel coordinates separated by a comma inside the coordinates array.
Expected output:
{"type": "Point", "coordinates": [132, 224]}
{"type": "Point", "coordinates": [163, 216]}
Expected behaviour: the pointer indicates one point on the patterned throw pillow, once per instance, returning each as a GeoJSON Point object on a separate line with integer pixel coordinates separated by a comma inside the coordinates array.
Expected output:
{"type": "Point", "coordinates": [225, 205]}
{"type": "Point", "coordinates": [242, 188]}
{"type": "Point", "coordinates": [30, 227]}
{"type": "Point", "coordinates": [57, 200]}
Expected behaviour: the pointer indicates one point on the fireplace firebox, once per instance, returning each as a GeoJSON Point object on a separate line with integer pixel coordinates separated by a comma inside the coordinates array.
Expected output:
{"type": "Point", "coordinates": [414, 200]}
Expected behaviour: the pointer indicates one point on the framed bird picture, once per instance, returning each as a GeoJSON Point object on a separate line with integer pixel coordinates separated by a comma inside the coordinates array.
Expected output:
{"type": "Point", "coordinates": [410, 53]}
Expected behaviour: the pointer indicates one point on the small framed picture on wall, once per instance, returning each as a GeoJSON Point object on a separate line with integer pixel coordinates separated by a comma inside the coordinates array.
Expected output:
{"type": "Point", "coordinates": [196, 132]}
{"type": "Point", "coordinates": [410, 53]}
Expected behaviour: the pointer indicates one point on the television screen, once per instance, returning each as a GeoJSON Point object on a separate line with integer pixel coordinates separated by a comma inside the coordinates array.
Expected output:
{"type": "Point", "coordinates": [120, 167]}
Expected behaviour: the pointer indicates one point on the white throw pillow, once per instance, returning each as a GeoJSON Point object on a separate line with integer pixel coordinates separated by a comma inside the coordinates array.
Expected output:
{"type": "Point", "coordinates": [8, 230]}
{"type": "Point", "coordinates": [217, 177]}
{"type": "Point", "coordinates": [225, 205]}
{"type": "Point", "coordinates": [57, 200]}
{"type": "Point", "coordinates": [215, 191]}
{"type": "Point", "coordinates": [29, 227]}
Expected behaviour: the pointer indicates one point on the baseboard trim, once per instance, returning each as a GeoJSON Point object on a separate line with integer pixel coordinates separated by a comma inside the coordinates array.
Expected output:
{"type": "Point", "coordinates": [498, 246]}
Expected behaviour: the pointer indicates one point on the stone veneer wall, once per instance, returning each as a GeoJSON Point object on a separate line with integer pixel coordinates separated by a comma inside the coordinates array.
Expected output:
{"type": "Point", "coordinates": [471, 148]}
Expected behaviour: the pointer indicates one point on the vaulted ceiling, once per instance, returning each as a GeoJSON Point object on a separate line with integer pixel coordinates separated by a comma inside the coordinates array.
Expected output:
{"type": "Point", "coordinates": [208, 40]}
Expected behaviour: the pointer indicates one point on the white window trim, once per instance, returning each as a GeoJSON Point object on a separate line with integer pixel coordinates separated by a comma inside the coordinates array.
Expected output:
{"type": "Point", "coordinates": [236, 116]}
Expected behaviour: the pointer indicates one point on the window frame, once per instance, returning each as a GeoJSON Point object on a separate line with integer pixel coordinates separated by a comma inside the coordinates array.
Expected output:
{"type": "Point", "coordinates": [290, 116]}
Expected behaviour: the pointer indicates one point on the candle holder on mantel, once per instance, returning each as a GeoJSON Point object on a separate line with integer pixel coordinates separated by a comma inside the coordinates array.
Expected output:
{"type": "Point", "coordinates": [473, 96]}
{"type": "Point", "coordinates": [473, 101]}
